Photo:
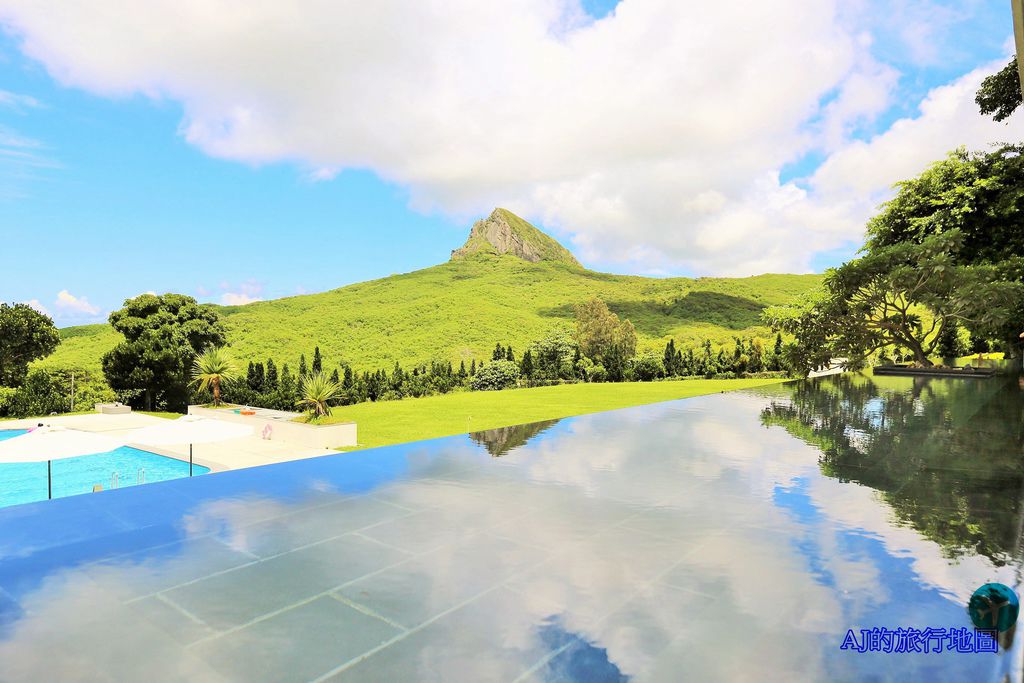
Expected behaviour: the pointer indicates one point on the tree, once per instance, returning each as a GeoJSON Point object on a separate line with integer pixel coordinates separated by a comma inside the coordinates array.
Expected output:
{"type": "Point", "coordinates": [398, 377]}
{"type": "Point", "coordinates": [318, 361]}
{"type": "Point", "coordinates": [949, 345]}
{"type": "Point", "coordinates": [211, 369]}
{"type": "Point", "coordinates": [162, 336]}
{"type": "Point", "coordinates": [598, 329]}
{"type": "Point", "coordinates": [317, 391]}
{"type": "Point", "coordinates": [689, 363]}
{"type": "Point", "coordinates": [25, 335]}
{"type": "Point", "coordinates": [260, 377]}
{"type": "Point", "coordinates": [999, 94]}
{"type": "Point", "coordinates": [777, 353]}
{"type": "Point", "coordinates": [625, 339]}
{"type": "Point", "coordinates": [499, 374]}
{"type": "Point", "coordinates": [552, 354]}
{"type": "Point", "coordinates": [669, 360]}
{"type": "Point", "coordinates": [614, 364]}
{"type": "Point", "coordinates": [286, 377]}
{"type": "Point", "coordinates": [707, 363]}
{"type": "Point", "coordinates": [509, 356]}
{"type": "Point", "coordinates": [755, 351]}
{"type": "Point", "coordinates": [901, 295]}
{"type": "Point", "coordinates": [647, 366]}
{"type": "Point", "coordinates": [526, 365]}
{"type": "Point", "coordinates": [498, 353]}
{"type": "Point", "coordinates": [303, 368]}
{"type": "Point", "coordinates": [978, 194]}
{"type": "Point", "coordinates": [250, 377]}
{"type": "Point", "coordinates": [271, 383]}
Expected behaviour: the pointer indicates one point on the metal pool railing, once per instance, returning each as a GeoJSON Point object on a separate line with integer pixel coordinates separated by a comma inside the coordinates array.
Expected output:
{"type": "Point", "coordinates": [115, 479]}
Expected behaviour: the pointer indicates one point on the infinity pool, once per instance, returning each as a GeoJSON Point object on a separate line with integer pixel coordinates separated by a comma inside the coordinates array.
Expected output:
{"type": "Point", "coordinates": [737, 536]}
{"type": "Point", "coordinates": [120, 468]}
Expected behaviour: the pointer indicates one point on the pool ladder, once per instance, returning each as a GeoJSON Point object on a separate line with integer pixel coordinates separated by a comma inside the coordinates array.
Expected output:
{"type": "Point", "coordinates": [140, 478]}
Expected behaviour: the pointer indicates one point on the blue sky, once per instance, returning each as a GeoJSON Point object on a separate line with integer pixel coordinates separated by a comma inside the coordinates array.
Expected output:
{"type": "Point", "coordinates": [115, 179]}
{"type": "Point", "coordinates": [121, 204]}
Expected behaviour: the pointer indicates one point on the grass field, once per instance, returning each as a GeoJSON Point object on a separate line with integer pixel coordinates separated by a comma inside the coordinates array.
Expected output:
{"type": "Point", "coordinates": [391, 422]}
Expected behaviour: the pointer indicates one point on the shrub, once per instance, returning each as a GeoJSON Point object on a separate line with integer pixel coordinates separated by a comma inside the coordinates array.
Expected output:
{"type": "Point", "coordinates": [597, 373]}
{"type": "Point", "coordinates": [499, 374]}
{"type": "Point", "coordinates": [6, 400]}
{"type": "Point", "coordinates": [317, 393]}
{"type": "Point", "coordinates": [647, 366]}
{"type": "Point", "coordinates": [552, 356]}
{"type": "Point", "coordinates": [40, 394]}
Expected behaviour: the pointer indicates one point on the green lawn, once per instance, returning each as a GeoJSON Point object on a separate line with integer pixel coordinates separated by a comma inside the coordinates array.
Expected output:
{"type": "Point", "coordinates": [391, 422]}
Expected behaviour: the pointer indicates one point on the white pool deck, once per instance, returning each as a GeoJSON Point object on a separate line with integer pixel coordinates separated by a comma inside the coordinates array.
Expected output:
{"type": "Point", "coordinates": [250, 451]}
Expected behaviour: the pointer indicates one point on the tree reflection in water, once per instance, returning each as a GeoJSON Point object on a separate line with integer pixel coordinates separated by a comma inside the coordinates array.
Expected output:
{"type": "Point", "coordinates": [946, 454]}
{"type": "Point", "coordinates": [500, 441]}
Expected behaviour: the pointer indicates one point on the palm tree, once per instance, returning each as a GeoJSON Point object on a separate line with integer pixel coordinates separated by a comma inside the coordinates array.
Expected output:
{"type": "Point", "coordinates": [212, 368]}
{"type": "Point", "coordinates": [317, 391]}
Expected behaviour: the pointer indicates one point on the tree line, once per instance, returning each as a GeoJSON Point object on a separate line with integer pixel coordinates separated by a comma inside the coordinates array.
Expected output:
{"type": "Point", "coordinates": [174, 352]}
{"type": "Point", "coordinates": [601, 349]}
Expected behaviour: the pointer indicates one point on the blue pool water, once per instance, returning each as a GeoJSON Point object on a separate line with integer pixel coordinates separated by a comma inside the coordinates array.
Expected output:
{"type": "Point", "coordinates": [26, 482]}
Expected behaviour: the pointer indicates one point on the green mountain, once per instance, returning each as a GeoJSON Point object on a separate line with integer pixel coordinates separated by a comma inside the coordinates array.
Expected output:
{"type": "Point", "coordinates": [509, 283]}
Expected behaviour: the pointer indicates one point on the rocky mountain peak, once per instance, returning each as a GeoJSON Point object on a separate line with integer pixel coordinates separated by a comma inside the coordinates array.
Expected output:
{"type": "Point", "coordinates": [503, 232]}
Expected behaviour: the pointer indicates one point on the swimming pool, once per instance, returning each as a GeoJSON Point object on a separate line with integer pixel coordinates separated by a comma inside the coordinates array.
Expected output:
{"type": "Point", "coordinates": [736, 536]}
{"type": "Point", "coordinates": [120, 468]}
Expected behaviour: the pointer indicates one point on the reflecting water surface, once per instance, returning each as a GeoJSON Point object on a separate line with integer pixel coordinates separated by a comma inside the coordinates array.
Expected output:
{"type": "Point", "coordinates": [730, 537]}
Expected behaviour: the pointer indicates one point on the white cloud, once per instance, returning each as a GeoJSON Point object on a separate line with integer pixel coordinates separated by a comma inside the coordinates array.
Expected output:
{"type": "Point", "coordinates": [323, 173]}
{"type": "Point", "coordinates": [34, 303]}
{"type": "Point", "coordinates": [16, 100]}
{"type": "Point", "coordinates": [237, 299]}
{"type": "Point", "coordinates": [653, 137]}
{"type": "Point", "coordinates": [245, 293]}
{"type": "Point", "coordinates": [21, 157]}
{"type": "Point", "coordinates": [69, 303]}
{"type": "Point", "coordinates": [861, 174]}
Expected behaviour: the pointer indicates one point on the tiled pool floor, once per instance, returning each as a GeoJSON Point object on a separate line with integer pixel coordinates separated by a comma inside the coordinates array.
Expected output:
{"type": "Point", "coordinates": [696, 540]}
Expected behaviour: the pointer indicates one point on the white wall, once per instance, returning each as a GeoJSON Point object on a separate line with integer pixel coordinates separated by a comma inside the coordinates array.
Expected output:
{"type": "Point", "coordinates": [341, 435]}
